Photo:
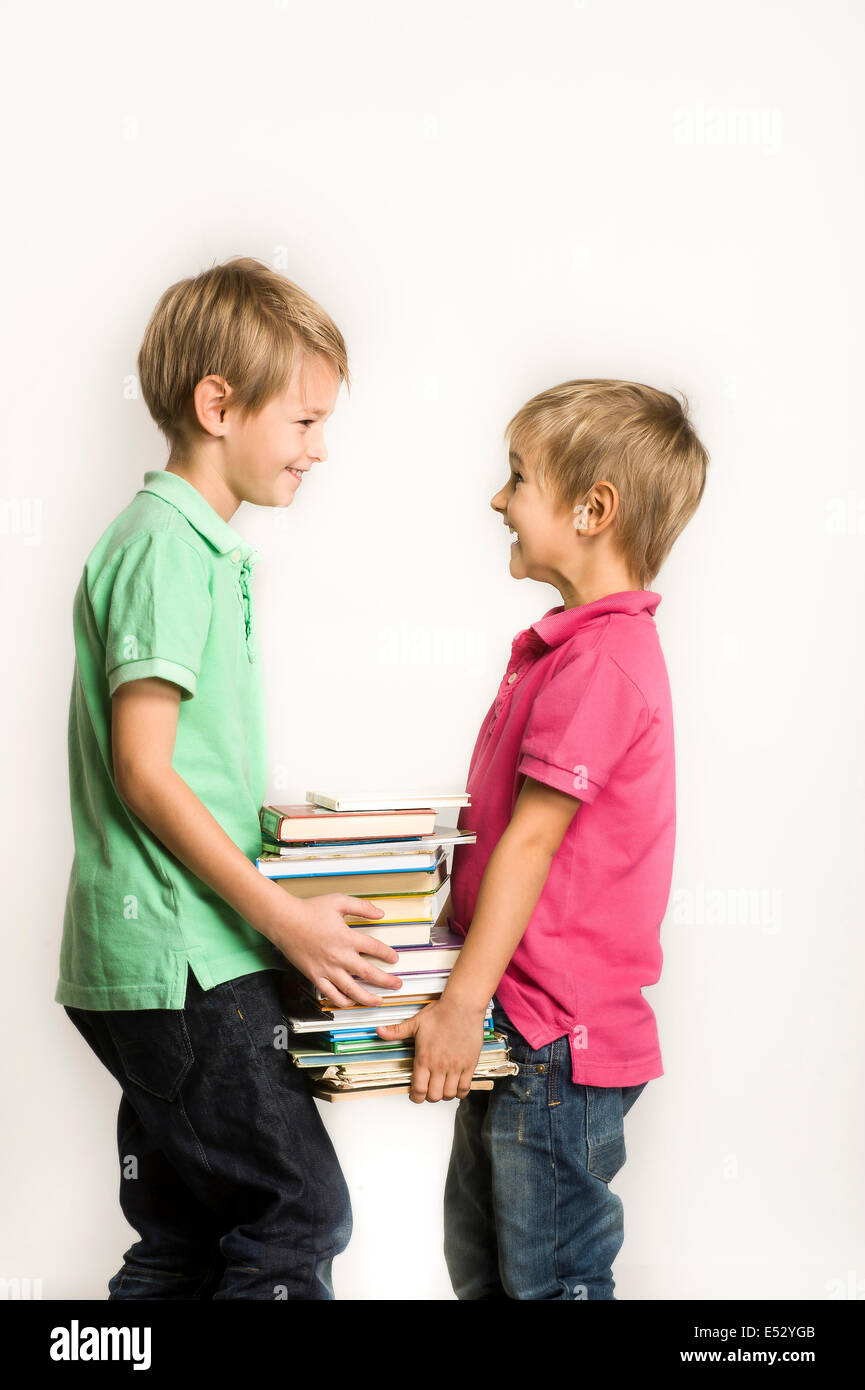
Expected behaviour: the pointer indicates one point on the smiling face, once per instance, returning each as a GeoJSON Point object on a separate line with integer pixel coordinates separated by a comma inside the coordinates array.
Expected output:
{"type": "Point", "coordinates": [544, 540]}
{"type": "Point", "coordinates": [267, 454]}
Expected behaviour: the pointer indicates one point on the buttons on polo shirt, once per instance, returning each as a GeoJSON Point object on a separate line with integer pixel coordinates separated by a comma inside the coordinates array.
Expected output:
{"type": "Point", "coordinates": [235, 557]}
{"type": "Point", "coordinates": [512, 677]}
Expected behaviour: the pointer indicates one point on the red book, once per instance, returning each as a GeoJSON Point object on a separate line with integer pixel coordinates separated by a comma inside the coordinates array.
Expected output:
{"type": "Point", "coordinates": [307, 821]}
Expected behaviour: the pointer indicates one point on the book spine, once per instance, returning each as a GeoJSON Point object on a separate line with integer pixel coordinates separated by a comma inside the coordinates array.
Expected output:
{"type": "Point", "coordinates": [271, 822]}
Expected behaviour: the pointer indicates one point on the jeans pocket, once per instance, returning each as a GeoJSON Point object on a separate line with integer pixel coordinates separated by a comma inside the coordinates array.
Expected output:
{"type": "Point", "coordinates": [534, 1064]}
{"type": "Point", "coordinates": [528, 1084]}
{"type": "Point", "coordinates": [605, 1131]}
{"type": "Point", "coordinates": [154, 1048]}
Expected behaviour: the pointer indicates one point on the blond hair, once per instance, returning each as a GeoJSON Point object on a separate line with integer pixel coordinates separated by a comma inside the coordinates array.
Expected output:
{"type": "Point", "coordinates": [240, 320]}
{"type": "Point", "coordinates": [639, 439]}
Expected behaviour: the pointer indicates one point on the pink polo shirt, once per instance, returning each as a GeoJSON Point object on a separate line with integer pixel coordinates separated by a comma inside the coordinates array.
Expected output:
{"type": "Point", "coordinates": [584, 706]}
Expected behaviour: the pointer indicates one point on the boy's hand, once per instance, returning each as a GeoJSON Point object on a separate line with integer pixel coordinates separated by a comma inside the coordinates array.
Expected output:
{"type": "Point", "coordinates": [329, 953]}
{"type": "Point", "coordinates": [447, 1041]}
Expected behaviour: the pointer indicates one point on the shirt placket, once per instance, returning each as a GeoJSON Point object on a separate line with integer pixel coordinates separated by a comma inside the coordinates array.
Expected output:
{"type": "Point", "coordinates": [244, 583]}
{"type": "Point", "coordinates": [523, 651]}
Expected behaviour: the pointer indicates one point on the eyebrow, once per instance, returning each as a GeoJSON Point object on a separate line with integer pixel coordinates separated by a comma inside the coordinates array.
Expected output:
{"type": "Point", "coordinates": [311, 410]}
{"type": "Point", "coordinates": [514, 457]}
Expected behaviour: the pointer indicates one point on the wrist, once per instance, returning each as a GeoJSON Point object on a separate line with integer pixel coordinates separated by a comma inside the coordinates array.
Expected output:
{"type": "Point", "coordinates": [280, 915]}
{"type": "Point", "coordinates": [467, 1001]}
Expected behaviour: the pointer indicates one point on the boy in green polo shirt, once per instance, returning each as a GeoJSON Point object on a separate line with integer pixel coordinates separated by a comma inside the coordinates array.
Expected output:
{"type": "Point", "coordinates": [173, 943]}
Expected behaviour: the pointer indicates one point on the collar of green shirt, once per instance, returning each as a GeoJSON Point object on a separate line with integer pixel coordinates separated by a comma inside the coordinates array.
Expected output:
{"type": "Point", "coordinates": [199, 513]}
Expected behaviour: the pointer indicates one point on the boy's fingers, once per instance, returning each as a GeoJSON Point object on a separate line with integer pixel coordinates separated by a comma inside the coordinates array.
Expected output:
{"type": "Point", "coordinates": [348, 985]}
{"type": "Point", "coordinates": [365, 999]}
{"type": "Point", "coordinates": [361, 907]}
{"type": "Point", "coordinates": [419, 1083]}
{"type": "Point", "coordinates": [434, 1086]}
{"type": "Point", "coordinates": [398, 1030]}
{"type": "Point", "coordinates": [380, 977]}
{"type": "Point", "coordinates": [371, 946]}
{"type": "Point", "coordinates": [330, 991]}
{"type": "Point", "coordinates": [465, 1085]}
{"type": "Point", "coordinates": [363, 996]}
{"type": "Point", "coordinates": [451, 1086]}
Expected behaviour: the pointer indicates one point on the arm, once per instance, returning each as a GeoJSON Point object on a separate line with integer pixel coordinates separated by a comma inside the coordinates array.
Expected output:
{"type": "Point", "coordinates": [312, 933]}
{"type": "Point", "coordinates": [449, 1033]}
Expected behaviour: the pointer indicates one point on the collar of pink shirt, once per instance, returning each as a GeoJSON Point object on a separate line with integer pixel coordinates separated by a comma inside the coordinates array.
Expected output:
{"type": "Point", "coordinates": [560, 623]}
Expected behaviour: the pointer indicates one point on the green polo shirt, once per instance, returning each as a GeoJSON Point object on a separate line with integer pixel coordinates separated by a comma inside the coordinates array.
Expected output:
{"type": "Point", "coordinates": [165, 592]}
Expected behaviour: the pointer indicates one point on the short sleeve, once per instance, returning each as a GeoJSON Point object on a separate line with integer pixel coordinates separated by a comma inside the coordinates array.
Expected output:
{"type": "Point", "coordinates": [158, 613]}
{"type": "Point", "coordinates": [581, 724]}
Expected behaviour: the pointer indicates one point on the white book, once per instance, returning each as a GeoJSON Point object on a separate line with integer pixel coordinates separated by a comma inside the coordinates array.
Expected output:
{"type": "Point", "coordinates": [336, 862]}
{"type": "Point", "coordinates": [433, 983]}
{"type": "Point", "coordinates": [431, 957]}
{"type": "Point", "coordinates": [313, 1020]}
{"type": "Point", "coordinates": [416, 852]}
{"type": "Point", "coordinates": [384, 801]}
{"type": "Point", "coordinates": [304, 1017]}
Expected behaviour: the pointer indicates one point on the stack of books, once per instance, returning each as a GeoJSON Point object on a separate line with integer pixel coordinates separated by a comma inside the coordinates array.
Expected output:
{"type": "Point", "coordinates": [391, 852]}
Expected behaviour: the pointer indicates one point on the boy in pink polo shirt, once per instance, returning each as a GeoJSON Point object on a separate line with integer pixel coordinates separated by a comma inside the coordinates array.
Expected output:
{"type": "Point", "coordinates": [561, 898]}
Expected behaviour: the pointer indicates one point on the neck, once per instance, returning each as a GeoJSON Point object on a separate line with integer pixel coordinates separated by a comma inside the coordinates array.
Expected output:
{"type": "Point", "coordinates": [613, 579]}
{"type": "Point", "coordinates": [205, 477]}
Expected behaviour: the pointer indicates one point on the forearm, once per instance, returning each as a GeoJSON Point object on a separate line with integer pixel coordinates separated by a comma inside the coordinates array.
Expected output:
{"type": "Point", "coordinates": [170, 809]}
{"type": "Point", "coordinates": [515, 875]}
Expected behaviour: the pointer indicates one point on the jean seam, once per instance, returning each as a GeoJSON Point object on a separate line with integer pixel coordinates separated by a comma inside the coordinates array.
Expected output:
{"type": "Point", "coordinates": [145, 1273]}
{"type": "Point", "coordinates": [553, 1158]}
{"type": "Point", "coordinates": [555, 1070]}
{"type": "Point", "coordinates": [485, 1137]}
{"type": "Point", "coordinates": [139, 1081]}
{"type": "Point", "coordinates": [191, 1128]}
{"type": "Point", "coordinates": [590, 1092]}
{"type": "Point", "coordinates": [211, 1268]}
{"type": "Point", "coordinates": [322, 1222]}
{"type": "Point", "coordinates": [181, 1106]}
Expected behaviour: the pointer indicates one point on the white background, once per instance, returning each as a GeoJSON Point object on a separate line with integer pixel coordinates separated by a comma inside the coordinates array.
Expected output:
{"type": "Point", "coordinates": [489, 198]}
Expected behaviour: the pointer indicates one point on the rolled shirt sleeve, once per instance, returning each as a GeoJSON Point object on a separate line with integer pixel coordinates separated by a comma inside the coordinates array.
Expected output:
{"type": "Point", "coordinates": [582, 723]}
{"type": "Point", "coordinates": [159, 613]}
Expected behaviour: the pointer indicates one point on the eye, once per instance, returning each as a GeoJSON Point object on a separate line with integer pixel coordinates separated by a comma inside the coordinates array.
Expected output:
{"type": "Point", "coordinates": [306, 422]}
{"type": "Point", "coordinates": [518, 477]}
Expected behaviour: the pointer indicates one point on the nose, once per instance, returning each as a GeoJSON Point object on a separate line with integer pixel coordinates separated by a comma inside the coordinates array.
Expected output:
{"type": "Point", "coordinates": [498, 502]}
{"type": "Point", "coordinates": [317, 449]}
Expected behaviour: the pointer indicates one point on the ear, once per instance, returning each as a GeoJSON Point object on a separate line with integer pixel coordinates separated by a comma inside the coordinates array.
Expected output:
{"type": "Point", "coordinates": [598, 510]}
{"type": "Point", "coordinates": [210, 401]}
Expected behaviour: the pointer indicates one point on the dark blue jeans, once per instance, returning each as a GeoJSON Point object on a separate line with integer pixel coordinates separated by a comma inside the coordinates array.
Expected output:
{"type": "Point", "coordinates": [227, 1172]}
{"type": "Point", "coordinates": [528, 1208]}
